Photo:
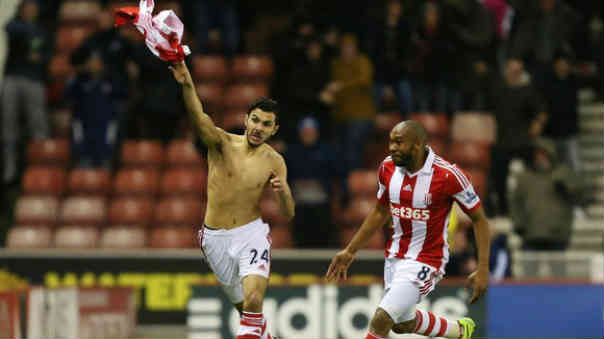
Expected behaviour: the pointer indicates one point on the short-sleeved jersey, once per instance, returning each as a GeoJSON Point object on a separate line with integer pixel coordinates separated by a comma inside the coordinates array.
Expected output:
{"type": "Point", "coordinates": [420, 204]}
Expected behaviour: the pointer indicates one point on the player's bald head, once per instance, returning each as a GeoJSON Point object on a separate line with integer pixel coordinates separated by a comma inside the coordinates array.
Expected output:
{"type": "Point", "coordinates": [411, 129]}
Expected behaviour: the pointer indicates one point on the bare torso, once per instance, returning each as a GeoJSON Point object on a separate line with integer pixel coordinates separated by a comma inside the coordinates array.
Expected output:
{"type": "Point", "coordinates": [236, 181]}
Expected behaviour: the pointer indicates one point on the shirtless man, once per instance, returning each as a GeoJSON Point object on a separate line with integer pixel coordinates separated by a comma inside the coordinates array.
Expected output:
{"type": "Point", "coordinates": [234, 239]}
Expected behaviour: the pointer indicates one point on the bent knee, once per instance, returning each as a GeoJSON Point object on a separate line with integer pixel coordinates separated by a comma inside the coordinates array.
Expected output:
{"type": "Point", "coordinates": [381, 320]}
{"type": "Point", "coordinates": [404, 327]}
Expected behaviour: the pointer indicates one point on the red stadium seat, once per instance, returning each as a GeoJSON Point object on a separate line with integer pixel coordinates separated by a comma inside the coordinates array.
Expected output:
{"type": "Point", "coordinates": [474, 126]}
{"type": "Point", "coordinates": [173, 237]}
{"type": "Point", "coordinates": [60, 67]}
{"type": "Point", "coordinates": [136, 182]}
{"type": "Point", "coordinates": [471, 154]}
{"type": "Point", "coordinates": [271, 212]}
{"type": "Point", "coordinates": [239, 97]}
{"type": "Point", "coordinates": [233, 121]}
{"type": "Point", "coordinates": [209, 68]}
{"type": "Point", "coordinates": [385, 121]}
{"type": "Point", "coordinates": [131, 211]}
{"type": "Point", "coordinates": [83, 211]}
{"type": "Point", "coordinates": [44, 180]}
{"type": "Point", "coordinates": [281, 236]}
{"type": "Point", "coordinates": [69, 37]}
{"type": "Point", "coordinates": [252, 68]}
{"type": "Point", "coordinates": [363, 183]}
{"type": "Point", "coordinates": [182, 153]}
{"type": "Point", "coordinates": [478, 178]}
{"type": "Point", "coordinates": [48, 152]}
{"type": "Point", "coordinates": [123, 237]}
{"type": "Point", "coordinates": [179, 211]}
{"type": "Point", "coordinates": [142, 153]}
{"type": "Point", "coordinates": [212, 96]}
{"type": "Point", "coordinates": [79, 11]}
{"type": "Point", "coordinates": [76, 236]}
{"type": "Point", "coordinates": [436, 124]}
{"type": "Point", "coordinates": [36, 210]}
{"type": "Point", "coordinates": [84, 181]}
{"type": "Point", "coordinates": [183, 181]}
{"type": "Point", "coordinates": [29, 237]}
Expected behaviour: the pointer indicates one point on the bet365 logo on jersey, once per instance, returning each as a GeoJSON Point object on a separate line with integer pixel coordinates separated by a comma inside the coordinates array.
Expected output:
{"type": "Point", "coordinates": [410, 213]}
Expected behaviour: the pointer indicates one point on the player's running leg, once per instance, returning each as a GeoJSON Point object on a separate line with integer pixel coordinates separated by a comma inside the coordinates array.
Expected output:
{"type": "Point", "coordinates": [253, 324]}
{"type": "Point", "coordinates": [431, 325]}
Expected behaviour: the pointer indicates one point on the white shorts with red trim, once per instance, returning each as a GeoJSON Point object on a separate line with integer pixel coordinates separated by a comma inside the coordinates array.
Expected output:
{"type": "Point", "coordinates": [236, 253]}
{"type": "Point", "coordinates": [405, 282]}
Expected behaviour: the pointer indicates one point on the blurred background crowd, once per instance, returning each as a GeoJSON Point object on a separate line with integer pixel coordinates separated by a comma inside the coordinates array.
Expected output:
{"type": "Point", "coordinates": [97, 150]}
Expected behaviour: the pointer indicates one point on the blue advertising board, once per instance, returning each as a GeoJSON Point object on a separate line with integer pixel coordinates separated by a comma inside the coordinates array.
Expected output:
{"type": "Point", "coordinates": [546, 311]}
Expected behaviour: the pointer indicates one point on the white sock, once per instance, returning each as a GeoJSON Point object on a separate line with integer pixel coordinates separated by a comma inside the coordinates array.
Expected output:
{"type": "Point", "coordinates": [430, 325]}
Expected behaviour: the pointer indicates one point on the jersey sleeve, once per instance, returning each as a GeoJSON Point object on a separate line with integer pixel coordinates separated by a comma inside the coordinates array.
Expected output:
{"type": "Point", "coordinates": [461, 189]}
{"type": "Point", "coordinates": [382, 193]}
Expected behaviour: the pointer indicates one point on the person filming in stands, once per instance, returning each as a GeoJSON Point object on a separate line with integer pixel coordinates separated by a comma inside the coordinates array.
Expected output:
{"type": "Point", "coordinates": [234, 239]}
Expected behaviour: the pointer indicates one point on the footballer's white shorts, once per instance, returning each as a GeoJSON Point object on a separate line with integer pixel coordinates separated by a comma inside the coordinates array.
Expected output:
{"type": "Point", "coordinates": [235, 253]}
{"type": "Point", "coordinates": [405, 282]}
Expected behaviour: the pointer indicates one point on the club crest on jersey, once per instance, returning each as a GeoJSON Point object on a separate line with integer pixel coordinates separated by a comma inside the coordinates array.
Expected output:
{"type": "Point", "coordinates": [428, 199]}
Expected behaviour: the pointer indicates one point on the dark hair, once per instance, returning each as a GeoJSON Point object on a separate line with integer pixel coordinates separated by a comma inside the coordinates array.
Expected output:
{"type": "Point", "coordinates": [267, 105]}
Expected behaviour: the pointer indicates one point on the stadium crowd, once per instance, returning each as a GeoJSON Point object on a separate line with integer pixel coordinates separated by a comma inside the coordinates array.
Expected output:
{"type": "Point", "coordinates": [106, 127]}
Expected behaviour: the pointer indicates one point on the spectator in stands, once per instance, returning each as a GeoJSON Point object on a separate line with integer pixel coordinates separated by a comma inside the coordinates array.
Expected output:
{"type": "Point", "coordinates": [541, 32]}
{"type": "Point", "coordinates": [23, 85]}
{"type": "Point", "coordinates": [500, 258]}
{"type": "Point", "coordinates": [331, 39]}
{"type": "Point", "coordinates": [310, 76]}
{"type": "Point", "coordinates": [463, 255]}
{"type": "Point", "coordinates": [432, 68]}
{"type": "Point", "coordinates": [349, 91]}
{"type": "Point", "coordinates": [288, 50]}
{"type": "Point", "coordinates": [312, 169]}
{"type": "Point", "coordinates": [388, 46]}
{"type": "Point", "coordinates": [541, 204]}
{"type": "Point", "coordinates": [472, 29]}
{"type": "Point", "coordinates": [116, 50]}
{"type": "Point", "coordinates": [520, 118]}
{"type": "Point", "coordinates": [217, 20]}
{"type": "Point", "coordinates": [95, 98]}
{"type": "Point", "coordinates": [560, 92]}
{"type": "Point", "coordinates": [158, 104]}
{"type": "Point", "coordinates": [477, 87]}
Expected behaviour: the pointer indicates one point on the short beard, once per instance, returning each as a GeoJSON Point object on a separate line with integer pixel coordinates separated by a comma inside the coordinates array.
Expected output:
{"type": "Point", "coordinates": [249, 142]}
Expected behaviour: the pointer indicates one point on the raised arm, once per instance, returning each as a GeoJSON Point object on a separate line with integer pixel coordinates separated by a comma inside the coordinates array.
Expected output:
{"type": "Point", "coordinates": [209, 134]}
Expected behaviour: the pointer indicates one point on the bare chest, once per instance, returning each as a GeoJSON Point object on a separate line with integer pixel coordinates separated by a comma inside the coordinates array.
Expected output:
{"type": "Point", "coordinates": [237, 172]}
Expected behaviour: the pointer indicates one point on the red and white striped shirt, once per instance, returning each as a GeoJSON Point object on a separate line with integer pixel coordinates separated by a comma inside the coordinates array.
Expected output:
{"type": "Point", "coordinates": [420, 204]}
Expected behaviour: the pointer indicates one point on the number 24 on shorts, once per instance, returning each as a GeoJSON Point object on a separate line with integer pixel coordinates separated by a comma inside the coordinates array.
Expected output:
{"type": "Point", "coordinates": [254, 253]}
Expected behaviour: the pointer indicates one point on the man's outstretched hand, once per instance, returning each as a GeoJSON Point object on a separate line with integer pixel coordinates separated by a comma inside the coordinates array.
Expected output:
{"type": "Point", "coordinates": [339, 266]}
{"type": "Point", "coordinates": [478, 281]}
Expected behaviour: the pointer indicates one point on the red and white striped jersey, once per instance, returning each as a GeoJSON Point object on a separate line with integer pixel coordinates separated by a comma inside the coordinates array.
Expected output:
{"type": "Point", "coordinates": [420, 204]}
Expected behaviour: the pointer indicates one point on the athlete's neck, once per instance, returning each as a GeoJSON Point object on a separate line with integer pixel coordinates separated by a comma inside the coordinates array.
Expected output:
{"type": "Point", "coordinates": [419, 162]}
